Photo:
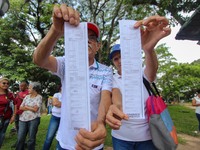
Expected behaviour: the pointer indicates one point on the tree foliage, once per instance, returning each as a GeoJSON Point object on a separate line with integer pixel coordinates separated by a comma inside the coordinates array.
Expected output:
{"type": "Point", "coordinates": [176, 81]}
{"type": "Point", "coordinates": [27, 22]}
{"type": "Point", "coordinates": [181, 82]}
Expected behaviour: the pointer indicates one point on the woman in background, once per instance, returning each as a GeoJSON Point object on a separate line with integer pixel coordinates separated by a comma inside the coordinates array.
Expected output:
{"type": "Point", "coordinates": [196, 102]}
{"type": "Point", "coordinates": [5, 107]}
{"type": "Point", "coordinates": [29, 120]}
{"type": "Point", "coordinates": [54, 121]}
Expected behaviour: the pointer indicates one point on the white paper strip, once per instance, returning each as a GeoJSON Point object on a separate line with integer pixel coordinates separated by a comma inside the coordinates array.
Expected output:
{"type": "Point", "coordinates": [131, 61]}
{"type": "Point", "coordinates": [77, 77]}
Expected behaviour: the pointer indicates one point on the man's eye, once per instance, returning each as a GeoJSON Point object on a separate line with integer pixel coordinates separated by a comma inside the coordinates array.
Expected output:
{"type": "Point", "coordinates": [92, 38]}
{"type": "Point", "coordinates": [116, 59]}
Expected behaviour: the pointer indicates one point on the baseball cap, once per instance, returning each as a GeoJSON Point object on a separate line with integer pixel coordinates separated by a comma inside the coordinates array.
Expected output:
{"type": "Point", "coordinates": [94, 28]}
{"type": "Point", "coordinates": [114, 49]}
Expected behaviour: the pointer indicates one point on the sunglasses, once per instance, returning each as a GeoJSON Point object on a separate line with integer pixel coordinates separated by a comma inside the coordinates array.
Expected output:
{"type": "Point", "coordinates": [4, 83]}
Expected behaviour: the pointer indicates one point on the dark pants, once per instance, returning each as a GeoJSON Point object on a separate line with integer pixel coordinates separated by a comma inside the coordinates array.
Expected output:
{"type": "Point", "coordinates": [17, 122]}
{"type": "Point", "coordinates": [132, 145]}
{"type": "Point", "coordinates": [52, 129]}
{"type": "Point", "coordinates": [3, 131]}
{"type": "Point", "coordinates": [198, 117]}
{"type": "Point", "coordinates": [30, 127]}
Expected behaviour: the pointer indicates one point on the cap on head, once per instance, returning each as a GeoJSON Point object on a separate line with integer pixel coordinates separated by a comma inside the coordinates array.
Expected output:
{"type": "Point", "coordinates": [94, 28]}
{"type": "Point", "coordinates": [3, 78]}
{"type": "Point", "coordinates": [114, 49]}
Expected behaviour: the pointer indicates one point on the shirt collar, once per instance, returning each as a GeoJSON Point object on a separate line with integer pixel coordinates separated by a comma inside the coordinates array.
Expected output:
{"type": "Point", "coordinates": [95, 65]}
{"type": "Point", "coordinates": [118, 76]}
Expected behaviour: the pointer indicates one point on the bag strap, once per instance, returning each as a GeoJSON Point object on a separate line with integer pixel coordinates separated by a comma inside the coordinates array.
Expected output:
{"type": "Point", "coordinates": [147, 85]}
{"type": "Point", "coordinates": [154, 86]}
{"type": "Point", "coordinates": [151, 88]}
{"type": "Point", "coordinates": [151, 93]}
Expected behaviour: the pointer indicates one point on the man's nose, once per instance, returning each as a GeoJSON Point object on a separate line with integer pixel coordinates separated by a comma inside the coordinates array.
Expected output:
{"type": "Point", "coordinates": [119, 60]}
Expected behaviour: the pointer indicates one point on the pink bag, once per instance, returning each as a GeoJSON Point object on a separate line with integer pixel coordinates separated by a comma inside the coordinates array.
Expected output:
{"type": "Point", "coordinates": [155, 105]}
{"type": "Point", "coordinates": [161, 126]}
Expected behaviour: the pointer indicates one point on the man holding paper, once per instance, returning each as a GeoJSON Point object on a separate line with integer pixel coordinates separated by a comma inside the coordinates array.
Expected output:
{"type": "Point", "coordinates": [129, 133]}
{"type": "Point", "coordinates": [100, 79]}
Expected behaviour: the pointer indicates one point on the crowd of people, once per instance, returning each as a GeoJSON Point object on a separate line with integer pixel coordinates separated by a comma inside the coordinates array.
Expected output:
{"type": "Point", "coordinates": [105, 92]}
{"type": "Point", "coordinates": [23, 109]}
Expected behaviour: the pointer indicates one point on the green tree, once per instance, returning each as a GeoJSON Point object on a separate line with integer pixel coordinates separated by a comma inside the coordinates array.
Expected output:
{"type": "Point", "coordinates": [18, 40]}
{"type": "Point", "coordinates": [183, 83]}
{"type": "Point", "coordinates": [176, 81]}
{"type": "Point", "coordinates": [27, 22]}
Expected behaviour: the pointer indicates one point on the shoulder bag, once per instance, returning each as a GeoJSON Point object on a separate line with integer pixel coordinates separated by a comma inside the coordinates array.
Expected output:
{"type": "Point", "coordinates": [161, 126]}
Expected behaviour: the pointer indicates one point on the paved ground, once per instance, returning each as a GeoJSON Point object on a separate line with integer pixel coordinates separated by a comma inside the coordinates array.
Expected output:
{"type": "Point", "coordinates": [191, 142]}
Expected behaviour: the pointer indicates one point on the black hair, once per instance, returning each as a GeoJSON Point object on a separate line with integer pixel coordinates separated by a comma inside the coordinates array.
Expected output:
{"type": "Point", "coordinates": [25, 81]}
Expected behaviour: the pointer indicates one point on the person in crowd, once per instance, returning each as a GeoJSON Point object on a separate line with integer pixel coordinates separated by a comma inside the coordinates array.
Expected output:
{"type": "Point", "coordinates": [196, 102]}
{"type": "Point", "coordinates": [29, 120]}
{"type": "Point", "coordinates": [49, 105]}
{"type": "Point", "coordinates": [54, 121]}
{"type": "Point", "coordinates": [23, 91]}
{"type": "Point", "coordinates": [128, 133]}
{"type": "Point", "coordinates": [100, 81]}
{"type": "Point", "coordinates": [6, 113]}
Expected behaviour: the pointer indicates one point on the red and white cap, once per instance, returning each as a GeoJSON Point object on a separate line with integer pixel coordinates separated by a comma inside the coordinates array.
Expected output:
{"type": "Point", "coordinates": [95, 28]}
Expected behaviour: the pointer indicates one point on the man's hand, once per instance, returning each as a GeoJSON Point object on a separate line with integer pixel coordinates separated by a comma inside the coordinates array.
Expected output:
{"type": "Point", "coordinates": [153, 29]}
{"type": "Point", "coordinates": [114, 117]}
{"type": "Point", "coordinates": [88, 140]}
{"type": "Point", "coordinates": [62, 14]}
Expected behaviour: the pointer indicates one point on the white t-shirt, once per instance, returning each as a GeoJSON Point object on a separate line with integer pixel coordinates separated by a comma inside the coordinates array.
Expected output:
{"type": "Point", "coordinates": [133, 129]}
{"type": "Point", "coordinates": [197, 102]}
{"type": "Point", "coordinates": [100, 78]}
{"type": "Point", "coordinates": [56, 110]}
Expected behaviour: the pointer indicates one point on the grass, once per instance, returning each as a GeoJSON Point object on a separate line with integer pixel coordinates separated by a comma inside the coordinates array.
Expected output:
{"type": "Point", "coordinates": [184, 119]}
{"type": "Point", "coordinates": [11, 137]}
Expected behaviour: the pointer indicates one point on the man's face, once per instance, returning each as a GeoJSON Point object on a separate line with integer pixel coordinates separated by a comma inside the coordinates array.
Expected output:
{"type": "Point", "coordinates": [93, 45]}
{"type": "Point", "coordinates": [117, 61]}
{"type": "Point", "coordinates": [22, 86]}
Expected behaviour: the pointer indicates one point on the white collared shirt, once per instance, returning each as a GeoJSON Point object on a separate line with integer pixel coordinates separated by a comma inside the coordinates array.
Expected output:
{"type": "Point", "coordinates": [100, 78]}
